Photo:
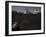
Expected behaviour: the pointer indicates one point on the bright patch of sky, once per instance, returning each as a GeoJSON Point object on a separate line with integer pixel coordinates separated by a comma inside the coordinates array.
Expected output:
{"type": "Point", "coordinates": [24, 8]}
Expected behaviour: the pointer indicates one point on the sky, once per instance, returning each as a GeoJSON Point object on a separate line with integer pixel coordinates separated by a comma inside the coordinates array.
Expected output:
{"type": "Point", "coordinates": [29, 8]}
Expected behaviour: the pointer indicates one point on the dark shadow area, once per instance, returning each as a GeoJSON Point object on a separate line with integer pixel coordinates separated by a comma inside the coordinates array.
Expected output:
{"type": "Point", "coordinates": [26, 21]}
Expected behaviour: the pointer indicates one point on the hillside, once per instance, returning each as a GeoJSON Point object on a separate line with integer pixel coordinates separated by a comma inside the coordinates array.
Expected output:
{"type": "Point", "coordinates": [26, 21]}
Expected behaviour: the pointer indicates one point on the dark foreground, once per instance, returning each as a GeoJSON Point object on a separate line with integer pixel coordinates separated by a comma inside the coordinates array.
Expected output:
{"type": "Point", "coordinates": [26, 21]}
